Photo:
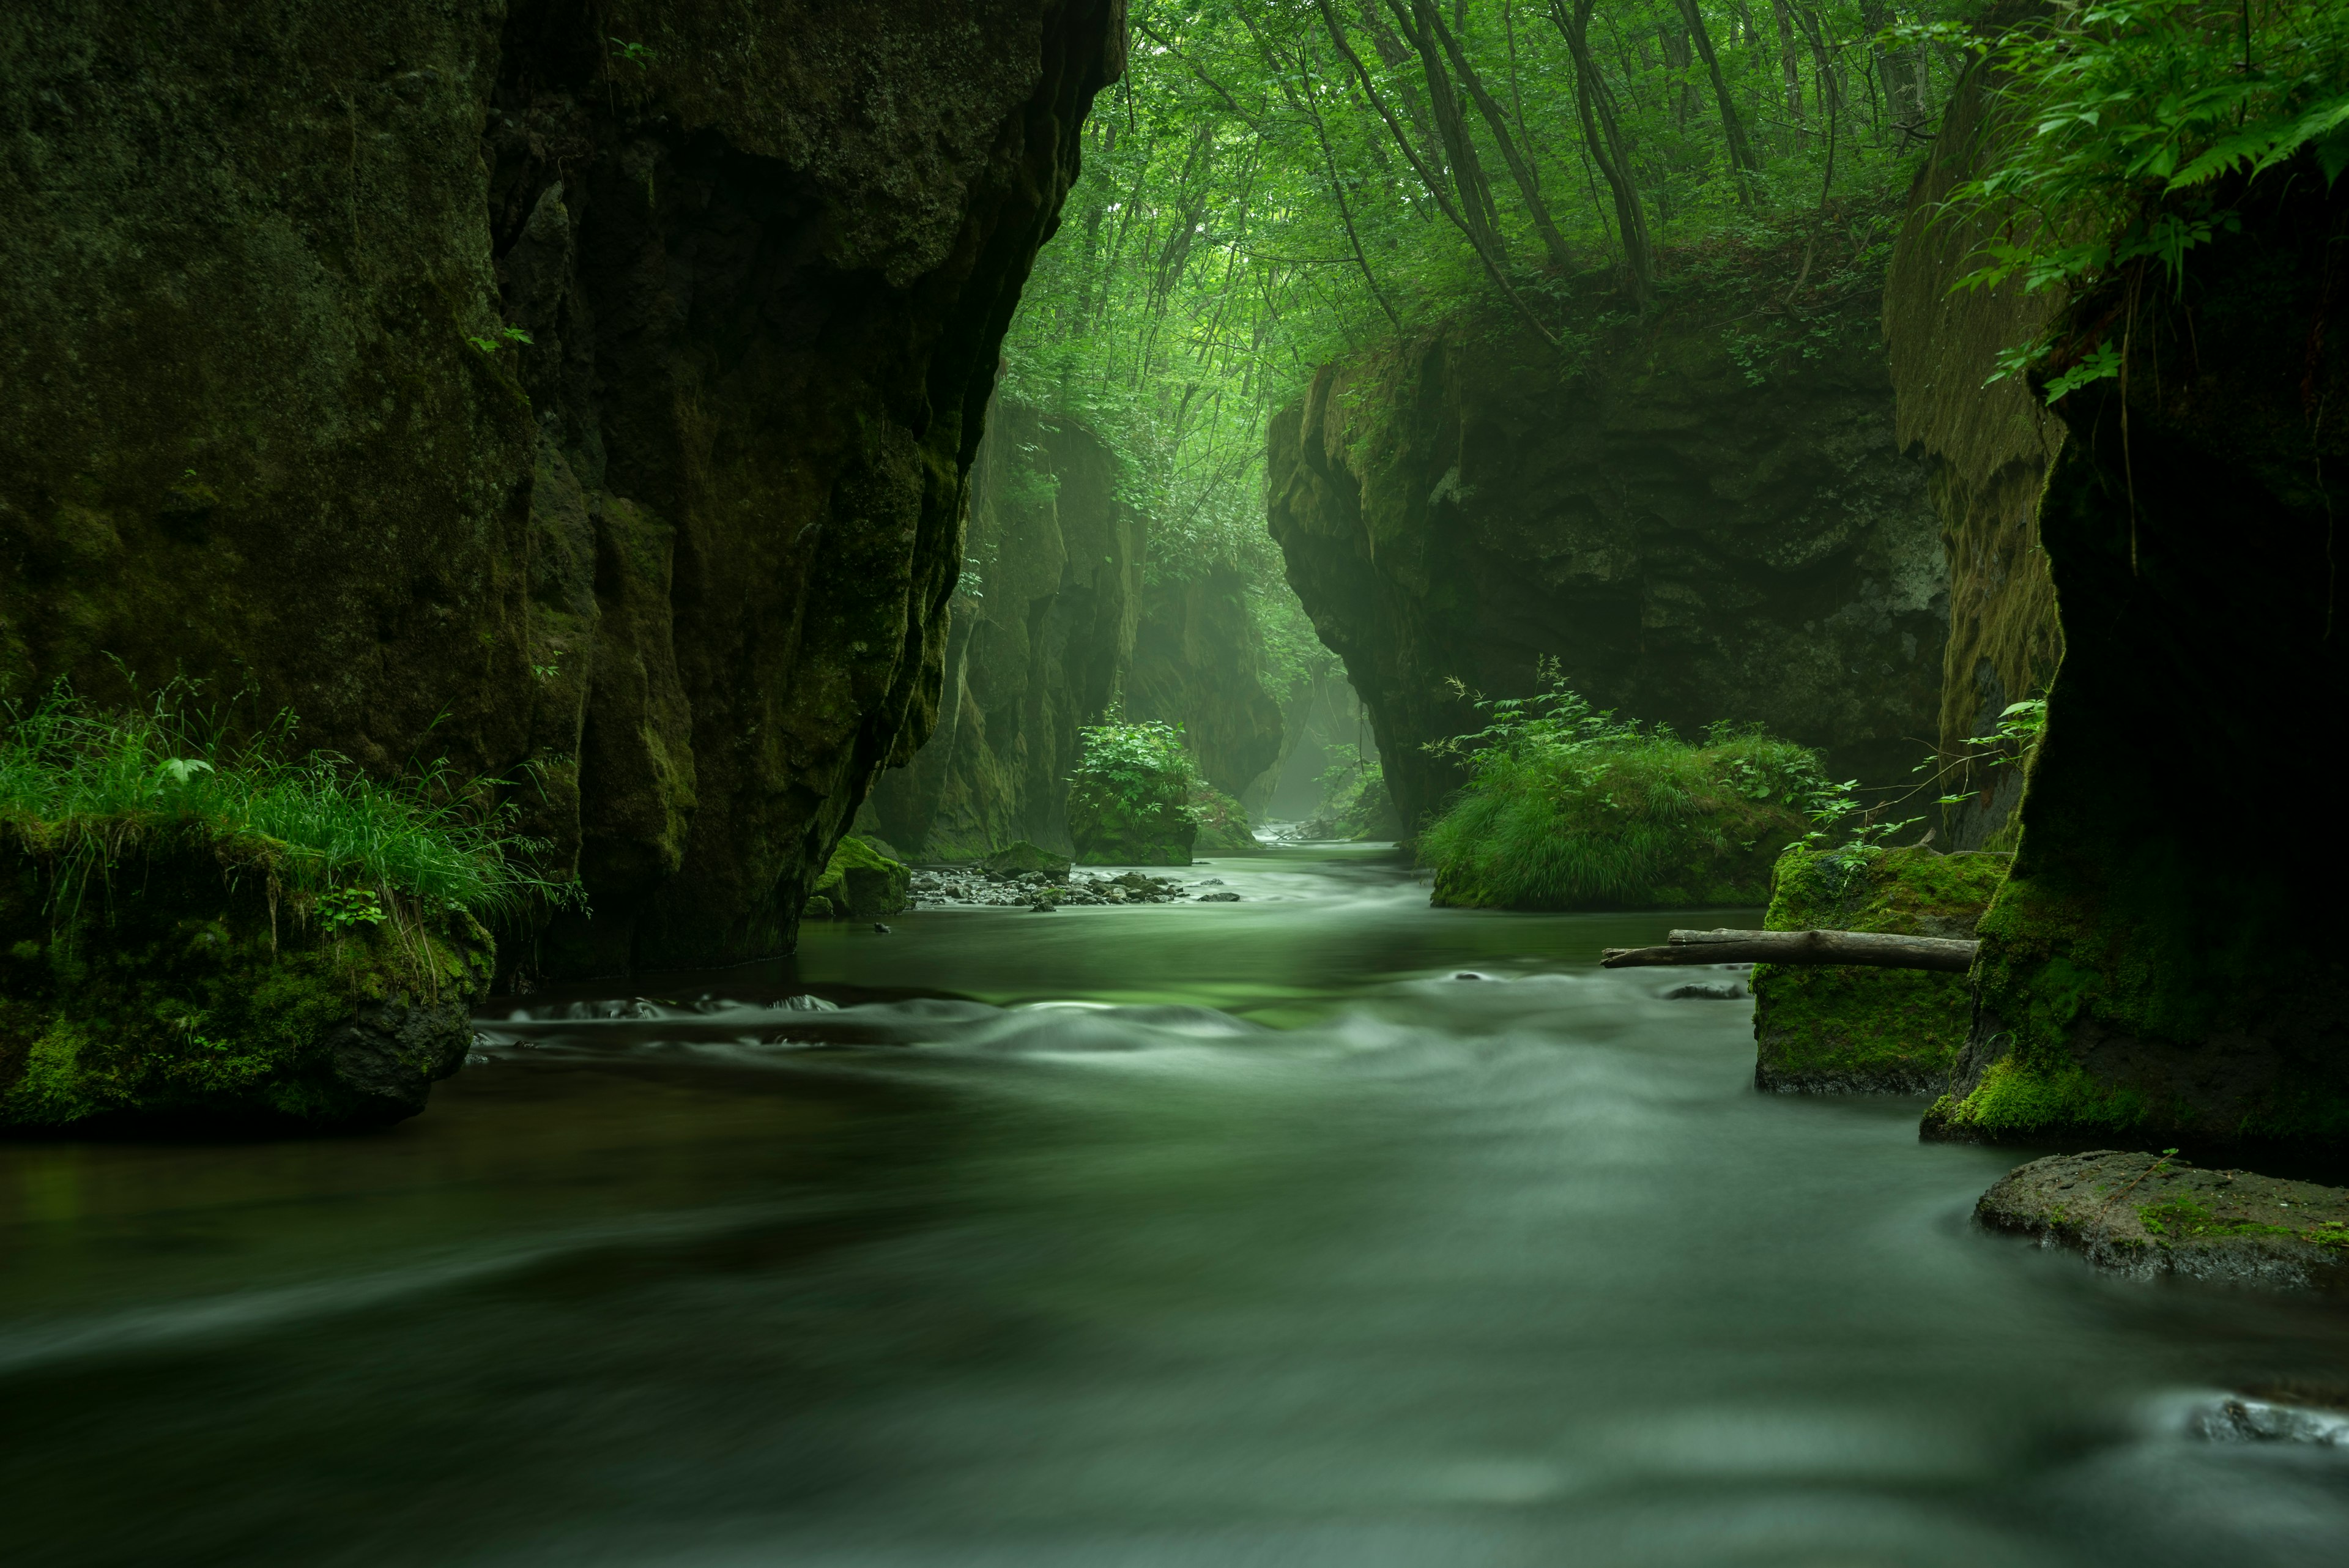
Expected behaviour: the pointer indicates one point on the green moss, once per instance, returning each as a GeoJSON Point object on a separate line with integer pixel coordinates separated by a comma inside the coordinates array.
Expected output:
{"type": "Point", "coordinates": [859, 882]}
{"type": "Point", "coordinates": [190, 985]}
{"type": "Point", "coordinates": [1622, 820]}
{"type": "Point", "coordinates": [1822, 1026]}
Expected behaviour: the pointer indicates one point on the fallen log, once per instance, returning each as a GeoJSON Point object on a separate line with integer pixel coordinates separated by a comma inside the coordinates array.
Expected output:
{"type": "Point", "coordinates": [1876, 950]}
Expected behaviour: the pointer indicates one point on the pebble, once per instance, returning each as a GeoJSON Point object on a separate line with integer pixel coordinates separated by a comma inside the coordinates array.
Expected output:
{"type": "Point", "coordinates": [1035, 891]}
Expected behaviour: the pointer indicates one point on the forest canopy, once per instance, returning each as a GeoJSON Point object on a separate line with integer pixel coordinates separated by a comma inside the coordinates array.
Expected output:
{"type": "Point", "coordinates": [1277, 183]}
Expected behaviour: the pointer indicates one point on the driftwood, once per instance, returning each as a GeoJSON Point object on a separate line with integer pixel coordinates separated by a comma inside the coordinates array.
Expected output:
{"type": "Point", "coordinates": [1874, 949]}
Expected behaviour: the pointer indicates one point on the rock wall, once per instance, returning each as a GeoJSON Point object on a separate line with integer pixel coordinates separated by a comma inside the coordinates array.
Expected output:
{"type": "Point", "coordinates": [1987, 450]}
{"type": "Point", "coordinates": [2159, 966]}
{"type": "Point", "coordinates": [1058, 624]}
{"type": "Point", "coordinates": [1039, 639]}
{"type": "Point", "coordinates": [1702, 513]}
{"type": "Point", "coordinates": [1197, 663]}
{"type": "Point", "coordinates": [583, 392]}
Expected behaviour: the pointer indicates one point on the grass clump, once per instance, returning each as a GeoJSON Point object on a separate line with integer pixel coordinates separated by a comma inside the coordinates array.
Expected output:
{"type": "Point", "coordinates": [1568, 807]}
{"type": "Point", "coordinates": [79, 786]}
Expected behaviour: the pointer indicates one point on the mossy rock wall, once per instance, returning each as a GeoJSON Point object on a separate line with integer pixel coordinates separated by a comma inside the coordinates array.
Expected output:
{"type": "Point", "coordinates": [682, 560]}
{"type": "Point", "coordinates": [1041, 639]}
{"type": "Point", "coordinates": [2163, 966]}
{"type": "Point", "coordinates": [1702, 513]}
{"type": "Point", "coordinates": [167, 986]}
{"type": "Point", "coordinates": [1056, 626]}
{"type": "Point", "coordinates": [1987, 450]}
{"type": "Point", "coordinates": [1837, 1029]}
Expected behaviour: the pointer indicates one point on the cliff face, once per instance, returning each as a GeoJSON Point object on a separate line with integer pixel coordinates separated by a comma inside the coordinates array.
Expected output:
{"type": "Point", "coordinates": [2160, 964]}
{"type": "Point", "coordinates": [1702, 514]}
{"type": "Point", "coordinates": [1055, 625]}
{"type": "Point", "coordinates": [1039, 641]}
{"type": "Point", "coordinates": [1987, 450]}
{"type": "Point", "coordinates": [1196, 663]}
{"type": "Point", "coordinates": [583, 392]}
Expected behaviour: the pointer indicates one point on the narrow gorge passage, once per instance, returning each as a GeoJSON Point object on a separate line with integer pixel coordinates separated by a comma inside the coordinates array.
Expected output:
{"type": "Point", "coordinates": [1100, 1236]}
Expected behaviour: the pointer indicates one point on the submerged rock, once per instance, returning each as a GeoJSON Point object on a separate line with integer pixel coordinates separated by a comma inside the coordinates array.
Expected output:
{"type": "Point", "coordinates": [1706, 991]}
{"type": "Point", "coordinates": [182, 984]}
{"type": "Point", "coordinates": [2146, 1214]}
{"type": "Point", "coordinates": [1833, 1029]}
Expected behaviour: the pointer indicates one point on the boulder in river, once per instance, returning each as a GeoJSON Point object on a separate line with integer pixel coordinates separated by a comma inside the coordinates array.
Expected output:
{"type": "Point", "coordinates": [1832, 1029]}
{"type": "Point", "coordinates": [183, 983]}
{"type": "Point", "coordinates": [2146, 1215]}
{"type": "Point", "coordinates": [859, 883]}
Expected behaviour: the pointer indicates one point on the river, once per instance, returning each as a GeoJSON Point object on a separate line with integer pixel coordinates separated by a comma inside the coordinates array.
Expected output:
{"type": "Point", "coordinates": [1252, 1234]}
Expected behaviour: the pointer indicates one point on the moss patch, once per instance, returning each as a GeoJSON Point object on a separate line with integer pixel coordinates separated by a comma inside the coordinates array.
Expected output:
{"type": "Point", "coordinates": [180, 982]}
{"type": "Point", "coordinates": [859, 883]}
{"type": "Point", "coordinates": [1836, 1029]}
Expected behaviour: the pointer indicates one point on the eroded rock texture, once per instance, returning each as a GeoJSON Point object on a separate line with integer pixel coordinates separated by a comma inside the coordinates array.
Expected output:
{"type": "Point", "coordinates": [1987, 449]}
{"type": "Point", "coordinates": [2160, 964]}
{"type": "Point", "coordinates": [1702, 514]}
{"type": "Point", "coordinates": [678, 563]}
{"type": "Point", "coordinates": [1058, 623]}
{"type": "Point", "coordinates": [1040, 639]}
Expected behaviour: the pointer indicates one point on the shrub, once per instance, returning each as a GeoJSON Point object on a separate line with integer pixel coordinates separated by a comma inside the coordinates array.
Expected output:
{"type": "Point", "coordinates": [1354, 802]}
{"type": "Point", "coordinates": [1570, 808]}
{"type": "Point", "coordinates": [1129, 796]}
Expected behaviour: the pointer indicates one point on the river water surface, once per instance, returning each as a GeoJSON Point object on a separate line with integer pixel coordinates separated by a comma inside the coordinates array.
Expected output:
{"type": "Point", "coordinates": [1231, 1234]}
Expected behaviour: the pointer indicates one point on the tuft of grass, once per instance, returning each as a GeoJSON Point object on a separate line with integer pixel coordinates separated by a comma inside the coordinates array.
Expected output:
{"type": "Point", "coordinates": [1570, 808]}
{"type": "Point", "coordinates": [79, 784]}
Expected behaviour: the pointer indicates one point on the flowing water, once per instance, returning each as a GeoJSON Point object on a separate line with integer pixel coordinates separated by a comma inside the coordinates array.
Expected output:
{"type": "Point", "coordinates": [1227, 1234]}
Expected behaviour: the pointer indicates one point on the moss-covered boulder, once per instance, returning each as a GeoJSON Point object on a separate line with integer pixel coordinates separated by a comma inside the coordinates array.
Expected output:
{"type": "Point", "coordinates": [175, 981]}
{"type": "Point", "coordinates": [1116, 831]}
{"type": "Point", "coordinates": [859, 883]}
{"type": "Point", "coordinates": [2146, 1216]}
{"type": "Point", "coordinates": [1832, 1029]}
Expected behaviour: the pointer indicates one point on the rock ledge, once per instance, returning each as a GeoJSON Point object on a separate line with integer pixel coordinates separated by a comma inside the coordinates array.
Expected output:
{"type": "Point", "coordinates": [2144, 1216]}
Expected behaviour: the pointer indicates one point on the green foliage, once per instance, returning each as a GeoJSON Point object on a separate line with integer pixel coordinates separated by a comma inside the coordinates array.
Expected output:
{"type": "Point", "coordinates": [1252, 206]}
{"type": "Point", "coordinates": [78, 783]}
{"type": "Point", "coordinates": [1354, 801]}
{"type": "Point", "coordinates": [1222, 821]}
{"type": "Point", "coordinates": [1570, 808]}
{"type": "Point", "coordinates": [2127, 119]}
{"type": "Point", "coordinates": [504, 335]}
{"type": "Point", "coordinates": [1130, 796]}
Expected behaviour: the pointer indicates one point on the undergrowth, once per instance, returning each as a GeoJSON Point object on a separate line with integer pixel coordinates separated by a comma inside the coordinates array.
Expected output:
{"type": "Point", "coordinates": [1570, 808]}
{"type": "Point", "coordinates": [81, 786]}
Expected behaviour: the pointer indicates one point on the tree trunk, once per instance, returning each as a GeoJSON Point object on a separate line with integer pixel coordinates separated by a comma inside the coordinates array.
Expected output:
{"type": "Point", "coordinates": [1874, 950]}
{"type": "Point", "coordinates": [1604, 134]}
{"type": "Point", "coordinates": [1521, 164]}
{"type": "Point", "coordinates": [1742, 164]}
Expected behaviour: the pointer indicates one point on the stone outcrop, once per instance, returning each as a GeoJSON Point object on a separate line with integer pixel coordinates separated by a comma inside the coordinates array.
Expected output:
{"type": "Point", "coordinates": [1042, 633]}
{"type": "Point", "coordinates": [177, 980]}
{"type": "Point", "coordinates": [2159, 966]}
{"type": "Point", "coordinates": [1702, 513]}
{"type": "Point", "coordinates": [1840, 1029]}
{"type": "Point", "coordinates": [1987, 449]}
{"type": "Point", "coordinates": [2146, 1216]}
{"type": "Point", "coordinates": [1196, 663]}
{"type": "Point", "coordinates": [1056, 626]}
{"type": "Point", "coordinates": [584, 392]}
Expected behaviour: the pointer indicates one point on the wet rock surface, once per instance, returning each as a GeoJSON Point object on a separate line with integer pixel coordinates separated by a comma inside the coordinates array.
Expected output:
{"type": "Point", "coordinates": [1041, 891]}
{"type": "Point", "coordinates": [2145, 1216]}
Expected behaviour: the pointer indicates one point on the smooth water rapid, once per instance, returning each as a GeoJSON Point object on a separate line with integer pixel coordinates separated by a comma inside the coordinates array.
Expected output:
{"type": "Point", "coordinates": [1204, 1234]}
